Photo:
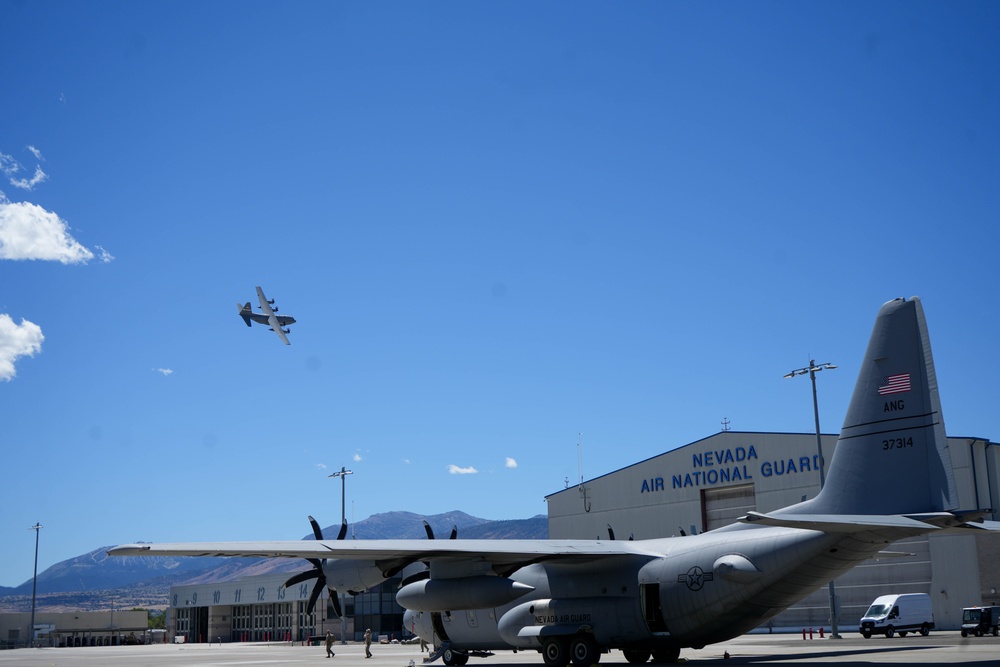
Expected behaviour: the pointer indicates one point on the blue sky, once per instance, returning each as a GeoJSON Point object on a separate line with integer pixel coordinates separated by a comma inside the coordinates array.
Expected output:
{"type": "Point", "coordinates": [499, 226]}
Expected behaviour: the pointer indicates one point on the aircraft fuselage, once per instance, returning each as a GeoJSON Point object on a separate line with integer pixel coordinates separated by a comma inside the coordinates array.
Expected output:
{"type": "Point", "coordinates": [283, 320]}
{"type": "Point", "coordinates": [702, 589]}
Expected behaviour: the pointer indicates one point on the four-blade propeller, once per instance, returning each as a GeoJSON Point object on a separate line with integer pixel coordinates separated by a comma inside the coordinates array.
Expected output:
{"type": "Point", "coordinates": [317, 572]}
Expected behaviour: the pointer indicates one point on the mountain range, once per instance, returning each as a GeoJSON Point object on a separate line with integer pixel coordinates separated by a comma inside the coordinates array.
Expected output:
{"type": "Point", "coordinates": [96, 581]}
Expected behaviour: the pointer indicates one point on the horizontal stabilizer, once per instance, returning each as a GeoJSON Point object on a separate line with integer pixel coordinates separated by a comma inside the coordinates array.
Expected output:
{"type": "Point", "coordinates": [839, 523]}
{"type": "Point", "coordinates": [957, 518]}
{"type": "Point", "coordinates": [982, 525]}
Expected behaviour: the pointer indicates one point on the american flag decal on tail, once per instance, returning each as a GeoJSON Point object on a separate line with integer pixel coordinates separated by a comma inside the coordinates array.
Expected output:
{"type": "Point", "coordinates": [894, 384]}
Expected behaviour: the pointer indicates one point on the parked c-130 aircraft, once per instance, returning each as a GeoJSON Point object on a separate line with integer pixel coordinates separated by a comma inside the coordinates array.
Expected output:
{"type": "Point", "coordinates": [890, 478]}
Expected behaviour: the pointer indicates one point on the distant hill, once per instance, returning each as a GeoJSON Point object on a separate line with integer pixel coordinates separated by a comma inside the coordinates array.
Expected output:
{"type": "Point", "coordinates": [95, 570]}
{"type": "Point", "coordinates": [94, 580]}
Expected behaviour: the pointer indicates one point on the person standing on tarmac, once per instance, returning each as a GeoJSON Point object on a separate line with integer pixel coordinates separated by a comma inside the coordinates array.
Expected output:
{"type": "Point", "coordinates": [329, 644]}
{"type": "Point", "coordinates": [368, 643]}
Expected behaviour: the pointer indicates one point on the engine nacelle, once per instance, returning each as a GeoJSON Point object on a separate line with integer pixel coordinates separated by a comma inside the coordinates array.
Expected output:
{"type": "Point", "coordinates": [352, 575]}
{"type": "Point", "coordinates": [480, 592]}
{"type": "Point", "coordinates": [614, 621]}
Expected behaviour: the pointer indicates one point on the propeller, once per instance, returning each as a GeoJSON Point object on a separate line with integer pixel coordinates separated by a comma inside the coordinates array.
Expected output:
{"type": "Point", "coordinates": [418, 570]}
{"type": "Point", "coordinates": [317, 572]}
{"type": "Point", "coordinates": [430, 531]}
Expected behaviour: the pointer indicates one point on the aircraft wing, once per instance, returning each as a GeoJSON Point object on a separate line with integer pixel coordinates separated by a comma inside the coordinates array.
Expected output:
{"type": "Point", "coordinates": [264, 304]}
{"type": "Point", "coordinates": [273, 321]}
{"type": "Point", "coordinates": [506, 555]}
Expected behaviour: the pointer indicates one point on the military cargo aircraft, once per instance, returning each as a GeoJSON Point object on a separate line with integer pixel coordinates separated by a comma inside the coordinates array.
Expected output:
{"type": "Point", "coordinates": [890, 478]}
{"type": "Point", "coordinates": [276, 322]}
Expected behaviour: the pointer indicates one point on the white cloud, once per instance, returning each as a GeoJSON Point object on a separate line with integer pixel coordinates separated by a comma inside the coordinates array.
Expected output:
{"type": "Point", "coordinates": [28, 231]}
{"type": "Point", "coordinates": [321, 466]}
{"type": "Point", "coordinates": [30, 183]}
{"type": "Point", "coordinates": [17, 340]}
{"type": "Point", "coordinates": [103, 255]}
{"type": "Point", "coordinates": [357, 457]}
{"type": "Point", "coordinates": [167, 372]}
{"type": "Point", "coordinates": [9, 167]}
{"type": "Point", "coordinates": [510, 463]}
{"type": "Point", "coordinates": [455, 470]}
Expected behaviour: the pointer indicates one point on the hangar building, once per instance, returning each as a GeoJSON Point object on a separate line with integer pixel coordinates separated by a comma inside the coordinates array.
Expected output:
{"type": "Point", "coordinates": [74, 628]}
{"type": "Point", "coordinates": [712, 482]}
{"type": "Point", "coordinates": [260, 608]}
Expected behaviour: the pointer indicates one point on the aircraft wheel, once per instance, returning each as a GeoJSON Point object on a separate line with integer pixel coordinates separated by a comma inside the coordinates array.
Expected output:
{"type": "Point", "coordinates": [555, 652]}
{"type": "Point", "coordinates": [889, 632]}
{"type": "Point", "coordinates": [454, 658]}
{"type": "Point", "coordinates": [584, 651]}
{"type": "Point", "coordinates": [635, 656]}
{"type": "Point", "coordinates": [924, 630]}
{"type": "Point", "coordinates": [666, 655]}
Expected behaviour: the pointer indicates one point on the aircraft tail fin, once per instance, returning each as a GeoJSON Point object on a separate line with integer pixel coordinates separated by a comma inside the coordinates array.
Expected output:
{"type": "Point", "coordinates": [245, 312]}
{"type": "Point", "coordinates": [892, 456]}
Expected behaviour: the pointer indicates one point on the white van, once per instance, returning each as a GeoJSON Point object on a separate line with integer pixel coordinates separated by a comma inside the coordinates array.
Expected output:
{"type": "Point", "coordinates": [891, 614]}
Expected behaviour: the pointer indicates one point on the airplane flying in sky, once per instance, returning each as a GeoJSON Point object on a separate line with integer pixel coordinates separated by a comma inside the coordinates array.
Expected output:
{"type": "Point", "coordinates": [276, 322]}
{"type": "Point", "coordinates": [890, 478]}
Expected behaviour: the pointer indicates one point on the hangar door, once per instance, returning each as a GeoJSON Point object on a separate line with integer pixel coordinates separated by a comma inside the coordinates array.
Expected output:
{"type": "Point", "coordinates": [721, 507]}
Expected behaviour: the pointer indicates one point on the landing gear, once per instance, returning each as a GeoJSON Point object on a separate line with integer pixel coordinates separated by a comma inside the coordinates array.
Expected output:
{"type": "Point", "coordinates": [667, 655]}
{"type": "Point", "coordinates": [635, 656]}
{"type": "Point", "coordinates": [555, 652]}
{"type": "Point", "coordinates": [584, 651]}
{"type": "Point", "coordinates": [453, 658]}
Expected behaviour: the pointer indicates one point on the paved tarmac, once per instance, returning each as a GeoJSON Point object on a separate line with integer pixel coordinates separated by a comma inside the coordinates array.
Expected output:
{"type": "Point", "coordinates": [786, 650]}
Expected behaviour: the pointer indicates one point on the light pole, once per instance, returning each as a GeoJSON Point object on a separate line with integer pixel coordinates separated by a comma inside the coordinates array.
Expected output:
{"type": "Point", "coordinates": [344, 472]}
{"type": "Point", "coordinates": [812, 369]}
{"type": "Point", "coordinates": [34, 586]}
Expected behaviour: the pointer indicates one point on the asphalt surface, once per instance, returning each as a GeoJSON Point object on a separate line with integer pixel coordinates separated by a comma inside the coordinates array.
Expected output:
{"type": "Point", "coordinates": [787, 650]}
